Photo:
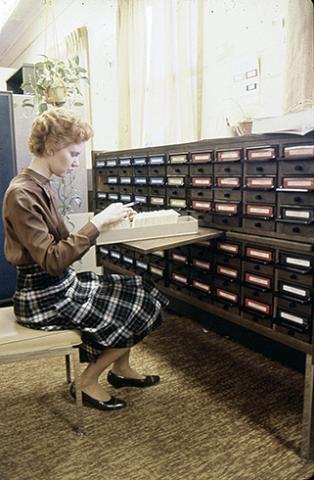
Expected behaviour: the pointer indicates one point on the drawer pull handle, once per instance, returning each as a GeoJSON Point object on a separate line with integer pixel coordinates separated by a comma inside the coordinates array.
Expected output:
{"type": "Point", "coordinates": [200, 170]}
{"type": "Point", "coordinates": [200, 194]}
{"type": "Point", "coordinates": [257, 225]}
{"type": "Point", "coordinates": [226, 195]}
{"type": "Point", "coordinates": [293, 276]}
{"type": "Point", "coordinates": [227, 169]}
{"type": "Point", "coordinates": [260, 169]}
{"type": "Point", "coordinates": [296, 229]}
{"type": "Point", "coordinates": [177, 170]}
{"type": "Point", "coordinates": [225, 220]}
{"type": "Point", "coordinates": [258, 197]}
{"type": "Point", "coordinates": [298, 199]}
{"type": "Point", "coordinates": [292, 305]}
{"type": "Point", "coordinates": [257, 267]}
{"type": "Point", "coordinates": [298, 168]}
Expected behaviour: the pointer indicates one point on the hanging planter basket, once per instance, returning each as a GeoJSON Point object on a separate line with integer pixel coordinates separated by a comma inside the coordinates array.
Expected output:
{"type": "Point", "coordinates": [56, 93]}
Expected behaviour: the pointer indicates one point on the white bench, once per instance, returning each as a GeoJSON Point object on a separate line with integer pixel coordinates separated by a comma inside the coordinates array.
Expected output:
{"type": "Point", "coordinates": [18, 343]}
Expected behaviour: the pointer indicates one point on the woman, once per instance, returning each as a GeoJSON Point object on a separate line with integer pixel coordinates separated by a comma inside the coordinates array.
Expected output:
{"type": "Point", "coordinates": [113, 312]}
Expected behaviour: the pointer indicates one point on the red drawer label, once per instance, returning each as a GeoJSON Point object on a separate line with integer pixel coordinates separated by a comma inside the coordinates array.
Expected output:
{"type": "Point", "coordinates": [257, 280]}
{"type": "Point", "coordinates": [301, 151]}
{"type": "Point", "coordinates": [179, 278]}
{"type": "Point", "coordinates": [197, 205]}
{"type": "Point", "coordinates": [201, 286]}
{"type": "Point", "coordinates": [301, 183]}
{"type": "Point", "coordinates": [179, 258]}
{"type": "Point", "coordinates": [265, 182]}
{"type": "Point", "coordinates": [201, 181]}
{"type": "Point", "coordinates": [228, 272]}
{"type": "Point", "coordinates": [228, 155]}
{"type": "Point", "coordinates": [261, 153]}
{"type": "Point", "coordinates": [231, 297]}
{"type": "Point", "coordinates": [258, 306]}
{"type": "Point", "coordinates": [228, 247]}
{"type": "Point", "coordinates": [226, 207]}
{"type": "Point", "coordinates": [259, 211]}
{"type": "Point", "coordinates": [201, 157]}
{"type": "Point", "coordinates": [228, 182]}
{"type": "Point", "coordinates": [259, 254]}
{"type": "Point", "coordinates": [201, 264]}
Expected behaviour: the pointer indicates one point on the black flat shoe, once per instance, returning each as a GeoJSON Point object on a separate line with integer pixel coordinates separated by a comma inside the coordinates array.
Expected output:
{"type": "Point", "coordinates": [117, 381]}
{"type": "Point", "coordinates": [113, 404]}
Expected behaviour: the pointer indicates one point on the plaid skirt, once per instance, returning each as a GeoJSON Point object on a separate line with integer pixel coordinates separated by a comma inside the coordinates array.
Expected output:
{"type": "Point", "coordinates": [109, 310]}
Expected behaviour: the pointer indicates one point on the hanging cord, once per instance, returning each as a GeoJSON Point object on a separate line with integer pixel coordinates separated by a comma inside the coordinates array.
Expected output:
{"type": "Point", "coordinates": [50, 11]}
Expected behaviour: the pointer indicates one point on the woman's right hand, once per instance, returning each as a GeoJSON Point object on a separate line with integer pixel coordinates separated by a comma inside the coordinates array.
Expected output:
{"type": "Point", "coordinates": [114, 213]}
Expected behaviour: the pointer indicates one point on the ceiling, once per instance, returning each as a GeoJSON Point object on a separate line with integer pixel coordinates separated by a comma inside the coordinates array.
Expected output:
{"type": "Point", "coordinates": [18, 23]}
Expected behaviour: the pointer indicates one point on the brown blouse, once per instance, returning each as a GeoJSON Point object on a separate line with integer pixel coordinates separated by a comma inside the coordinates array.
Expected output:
{"type": "Point", "coordinates": [34, 229]}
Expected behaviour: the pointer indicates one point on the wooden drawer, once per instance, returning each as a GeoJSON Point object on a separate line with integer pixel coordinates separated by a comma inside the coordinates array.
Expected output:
{"type": "Point", "coordinates": [227, 222]}
{"type": "Point", "coordinates": [157, 201]}
{"type": "Point", "coordinates": [228, 182]}
{"type": "Point", "coordinates": [252, 317]}
{"type": "Point", "coordinates": [176, 181]}
{"type": "Point", "coordinates": [295, 198]}
{"type": "Point", "coordinates": [157, 170]}
{"type": "Point", "coordinates": [232, 195]}
{"type": "Point", "coordinates": [260, 196]}
{"type": "Point", "coordinates": [260, 168]}
{"type": "Point", "coordinates": [295, 230]}
{"type": "Point", "coordinates": [259, 210]}
{"type": "Point", "coordinates": [177, 169]}
{"type": "Point", "coordinates": [257, 302]}
{"type": "Point", "coordinates": [297, 183]}
{"type": "Point", "coordinates": [201, 182]}
{"type": "Point", "coordinates": [125, 162]}
{"type": "Point", "coordinates": [257, 253]}
{"type": "Point", "coordinates": [201, 193]}
{"type": "Point", "coordinates": [229, 248]}
{"type": "Point", "coordinates": [140, 171]}
{"type": "Point", "coordinates": [256, 280]}
{"type": "Point", "coordinates": [125, 171]}
{"type": "Point", "coordinates": [157, 191]}
{"type": "Point", "coordinates": [227, 271]}
{"type": "Point", "coordinates": [140, 190]}
{"type": "Point", "coordinates": [201, 157]}
{"type": "Point", "coordinates": [113, 196]}
{"type": "Point", "coordinates": [227, 169]}
{"type": "Point", "coordinates": [294, 291]}
{"type": "Point", "coordinates": [126, 189]}
{"type": "Point", "coordinates": [299, 167]}
{"type": "Point", "coordinates": [301, 264]}
{"type": "Point", "coordinates": [295, 307]}
{"type": "Point", "coordinates": [260, 183]}
{"type": "Point", "coordinates": [205, 219]}
{"type": "Point", "coordinates": [175, 192]}
{"type": "Point", "coordinates": [257, 226]}
{"type": "Point", "coordinates": [156, 160]}
{"type": "Point", "coordinates": [227, 261]}
{"type": "Point", "coordinates": [177, 158]}
{"type": "Point", "coordinates": [258, 268]}
{"type": "Point", "coordinates": [201, 169]}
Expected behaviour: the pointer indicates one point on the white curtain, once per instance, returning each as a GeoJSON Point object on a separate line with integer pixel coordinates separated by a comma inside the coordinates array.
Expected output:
{"type": "Point", "coordinates": [180, 62]}
{"type": "Point", "coordinates": [299, 74]}
{"type": "Point", "coordinates": [157, 72]}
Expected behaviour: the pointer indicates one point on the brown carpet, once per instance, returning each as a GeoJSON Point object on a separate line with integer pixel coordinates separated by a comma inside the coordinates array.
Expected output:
{"type": "Point", "coordinates": [222, 412]}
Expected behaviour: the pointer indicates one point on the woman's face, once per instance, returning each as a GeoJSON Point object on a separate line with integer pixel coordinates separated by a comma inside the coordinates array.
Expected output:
{"type": "Point", "coordinates": [65, 160]}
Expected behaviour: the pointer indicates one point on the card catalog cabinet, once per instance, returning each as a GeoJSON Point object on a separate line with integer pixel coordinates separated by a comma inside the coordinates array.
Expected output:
{"type": "Point", "coordinates": [259, 190]}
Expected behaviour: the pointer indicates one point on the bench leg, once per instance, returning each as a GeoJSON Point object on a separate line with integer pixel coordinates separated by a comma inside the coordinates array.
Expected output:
{"type": "Point", "coordinates": [307, 409]}
{"type": "Point", "coordinates": [77, 380]}
{"type": "Point", "coordinates": [68, 368]}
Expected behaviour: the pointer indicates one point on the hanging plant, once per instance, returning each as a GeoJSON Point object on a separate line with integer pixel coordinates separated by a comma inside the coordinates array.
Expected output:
{"type": "Point", "coordinates": [54, 82]}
